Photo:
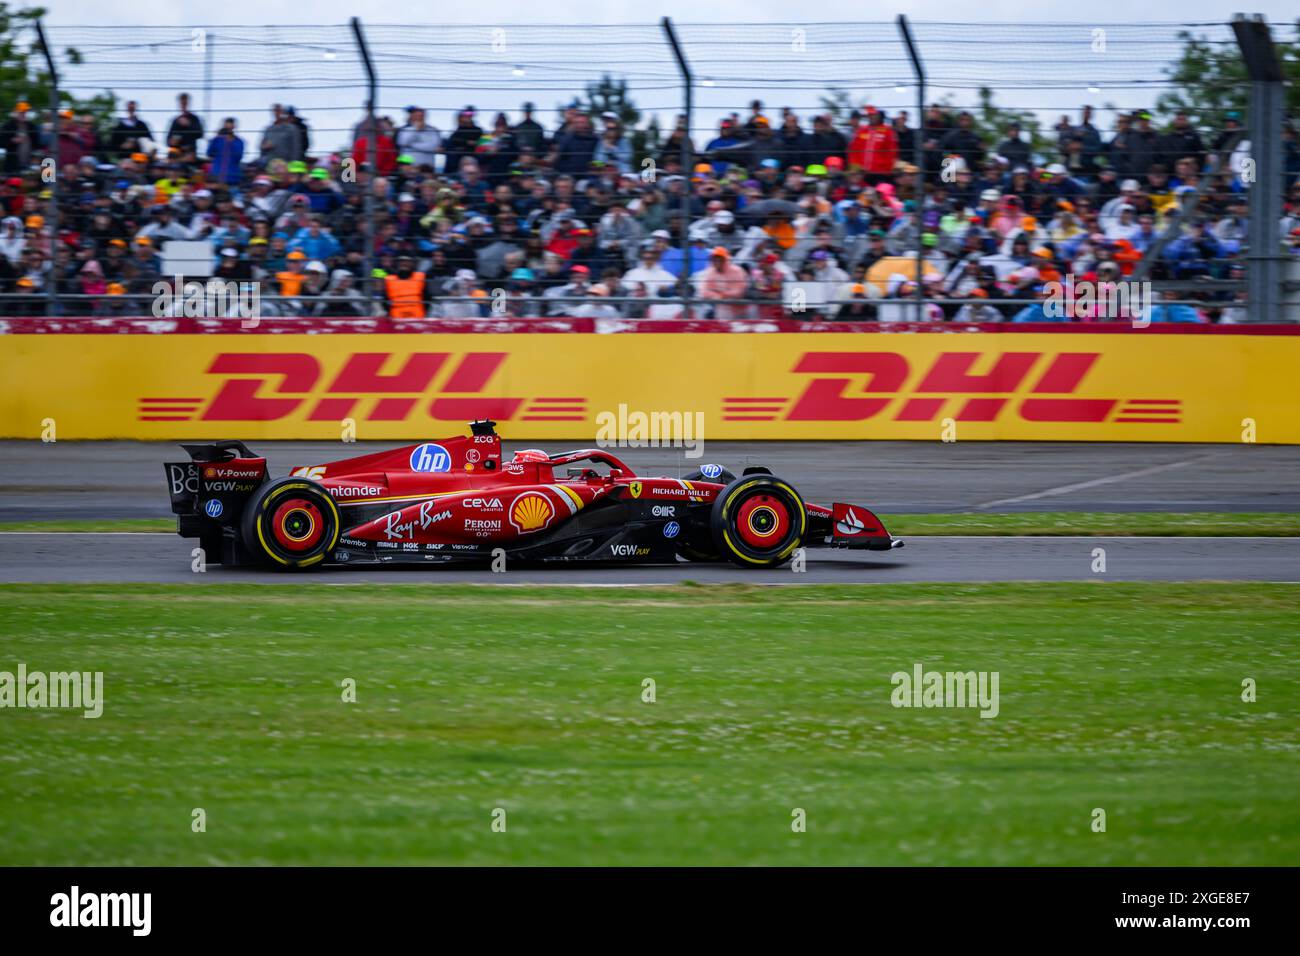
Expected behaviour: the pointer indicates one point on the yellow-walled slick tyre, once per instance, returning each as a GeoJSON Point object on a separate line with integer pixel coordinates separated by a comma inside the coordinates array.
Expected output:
{"type": "Point", "coordinates": [758, 521]}
{"type": "Point", "coordinates": [291, 524]}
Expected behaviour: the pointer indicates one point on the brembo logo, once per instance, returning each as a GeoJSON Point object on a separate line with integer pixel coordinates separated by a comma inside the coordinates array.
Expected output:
{"type": "Point", "coordinates": [369, 386]}
{"type": "Point", "coordinates": [1036, 386]}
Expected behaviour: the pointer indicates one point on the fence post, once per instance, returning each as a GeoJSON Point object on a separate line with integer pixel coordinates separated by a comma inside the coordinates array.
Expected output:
{"type": "Point", "coordinates": [918, 71]}
{"type": "Point", "coordinates": [1264, 121]}
{"type": "Point", "coordinates": [372, 160]}
{"type": "Point", "coordinates": [208, 40]}
{"type": "Point", "coordinates": [51, 287]}
{"type": "Point", "coordinates": [689, 84]}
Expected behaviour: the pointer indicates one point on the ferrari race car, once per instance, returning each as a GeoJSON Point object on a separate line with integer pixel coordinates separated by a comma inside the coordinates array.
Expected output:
{"type": "Point", "coordinates": [456, 500]}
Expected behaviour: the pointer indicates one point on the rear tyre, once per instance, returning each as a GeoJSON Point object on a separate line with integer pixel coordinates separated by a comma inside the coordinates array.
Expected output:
{"type": "Point", "coordinates": [290, 524]}
{"type": "Point", "coordinates": [758, 521]}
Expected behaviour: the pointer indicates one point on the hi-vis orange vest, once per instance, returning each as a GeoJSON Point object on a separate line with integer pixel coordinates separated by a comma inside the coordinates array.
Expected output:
{"type": "Point", "coordinates": [290, 282]}
{"type": "Point", "coordinates": [405, 296]}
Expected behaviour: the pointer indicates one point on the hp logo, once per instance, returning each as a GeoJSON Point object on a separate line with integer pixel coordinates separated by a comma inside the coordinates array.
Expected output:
{"type": "Point", "coordinates": [214, 508]}
{"type": "Point", "coordinates": [430, 458]}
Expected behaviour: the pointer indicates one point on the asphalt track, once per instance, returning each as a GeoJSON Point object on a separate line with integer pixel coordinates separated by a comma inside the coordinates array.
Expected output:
{"type": "Point", "coordinates": [166, 558]}
{"type": "Point", "coordinates": [87, 480]}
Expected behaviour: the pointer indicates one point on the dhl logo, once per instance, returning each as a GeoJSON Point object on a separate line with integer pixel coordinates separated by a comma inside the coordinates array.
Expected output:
{"type": "Point", "coordinates": [841, 387]}
{"type": "Point", "coordinates": [259, 387]}
{"type": "Point", "coordinates": [856, 386]}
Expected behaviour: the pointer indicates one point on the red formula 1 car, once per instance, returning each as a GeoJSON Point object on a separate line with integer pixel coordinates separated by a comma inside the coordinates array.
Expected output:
{"type": "Point", "coordinates": [457, 501]}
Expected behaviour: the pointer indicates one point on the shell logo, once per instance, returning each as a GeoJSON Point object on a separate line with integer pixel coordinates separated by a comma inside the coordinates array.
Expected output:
{"type": "Point", "coordinates": [531, 512]}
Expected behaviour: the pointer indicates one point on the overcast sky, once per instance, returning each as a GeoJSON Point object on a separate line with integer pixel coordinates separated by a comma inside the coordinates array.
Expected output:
{"type": "Point", "coordinates": [332, 111]}
{"type": "Point", "coordinates": [625, 11]}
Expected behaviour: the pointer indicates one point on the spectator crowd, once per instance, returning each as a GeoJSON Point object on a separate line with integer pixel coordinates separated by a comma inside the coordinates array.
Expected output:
{"type": "Point", "coordinates": [783, 215]}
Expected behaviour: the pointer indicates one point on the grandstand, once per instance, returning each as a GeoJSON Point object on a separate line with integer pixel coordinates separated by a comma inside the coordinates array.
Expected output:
{"type": "Point", "coordinates": [539, 171]}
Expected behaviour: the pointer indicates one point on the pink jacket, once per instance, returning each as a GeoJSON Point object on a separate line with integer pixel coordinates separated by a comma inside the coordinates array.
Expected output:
{"type": "Point", "coordinates": [730, 282]}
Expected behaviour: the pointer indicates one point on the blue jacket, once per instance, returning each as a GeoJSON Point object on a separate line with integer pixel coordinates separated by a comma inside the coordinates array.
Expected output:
{"type": "Point", "coordinates": [671, 260]}
{"type": "Point", "coordinates": [1174, 313]}
{"type": "Point", "coordinates": [1190, 255]}
{"type": "Point", "coordinates": [315, 247]}
{"type": "Point", "coordinates": [226, 155]}
{"type": "Point", "coordinates": [1034, 313]}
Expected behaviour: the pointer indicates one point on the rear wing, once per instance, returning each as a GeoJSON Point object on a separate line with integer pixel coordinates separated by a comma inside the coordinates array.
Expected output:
{"type": "Point", "coordinates": [216, 481]}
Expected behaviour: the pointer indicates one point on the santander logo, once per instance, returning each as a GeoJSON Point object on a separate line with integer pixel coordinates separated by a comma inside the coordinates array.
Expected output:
{"type": "Point", "coordinates": [850, 524]}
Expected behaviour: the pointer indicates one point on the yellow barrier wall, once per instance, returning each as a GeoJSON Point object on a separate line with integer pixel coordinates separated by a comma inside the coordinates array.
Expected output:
{"type": "Point", "coordinates": [1022, 386]}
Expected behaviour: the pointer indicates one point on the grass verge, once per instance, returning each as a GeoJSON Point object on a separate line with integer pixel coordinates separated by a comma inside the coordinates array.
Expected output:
{"type": "Point", "coordinates": [1124, 697]}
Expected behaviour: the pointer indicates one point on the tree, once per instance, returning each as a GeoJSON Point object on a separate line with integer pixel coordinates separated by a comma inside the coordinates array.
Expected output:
{"type": "Point", "coordinates": [646, 142]}
{"type": "Point", "coordinates": [839, 105]}
{"type": "Point", "coordinates": [1210, 78]}
{"type": "Point", "coordinates": [22, 69]}
{"type": "Point", "coordinates": [991, 122]}
{"type": "Point", "coordinates": [610, 96]}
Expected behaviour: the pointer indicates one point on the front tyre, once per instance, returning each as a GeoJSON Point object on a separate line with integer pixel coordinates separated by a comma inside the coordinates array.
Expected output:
{"type": "Point", "coordinates": [758, 521]}
{"type": "Point", "coordinates": [291, 523]}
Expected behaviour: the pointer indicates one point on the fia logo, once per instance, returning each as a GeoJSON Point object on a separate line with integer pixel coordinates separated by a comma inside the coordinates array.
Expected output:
{"type": "Point", "coordinates": [430, 457]}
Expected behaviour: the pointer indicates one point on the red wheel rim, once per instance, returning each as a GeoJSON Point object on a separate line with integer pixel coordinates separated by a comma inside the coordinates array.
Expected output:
{"type": "Point", "coordinates": [297, 525]}
{"type": "Point", "coordinates": [762, 521]}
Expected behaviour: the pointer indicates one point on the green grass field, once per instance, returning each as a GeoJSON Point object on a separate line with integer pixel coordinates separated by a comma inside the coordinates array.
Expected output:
{"type": "Point", "coordinates": [1125, 697]}
{"type": "Point", "coordinates": [1111, 524]}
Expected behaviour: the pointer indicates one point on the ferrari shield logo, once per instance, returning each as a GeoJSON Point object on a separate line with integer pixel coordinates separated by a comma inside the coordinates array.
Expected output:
{"type": "Point", "coordinates": [635, 488]}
